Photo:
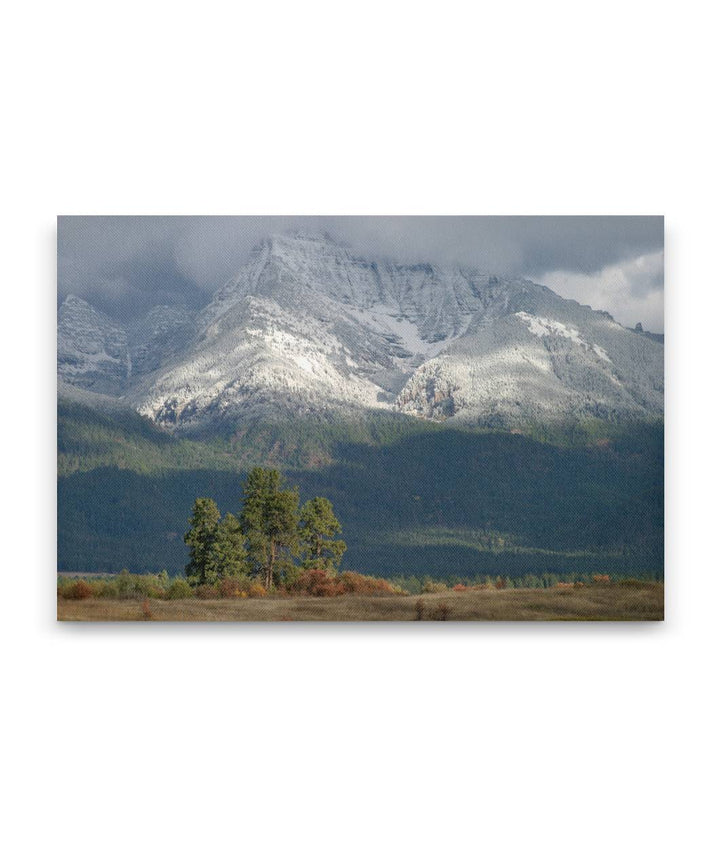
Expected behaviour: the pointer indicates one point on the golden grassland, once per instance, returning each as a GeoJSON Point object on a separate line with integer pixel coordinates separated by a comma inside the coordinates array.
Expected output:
{"type": "Point", "coordinates": [613, 602]}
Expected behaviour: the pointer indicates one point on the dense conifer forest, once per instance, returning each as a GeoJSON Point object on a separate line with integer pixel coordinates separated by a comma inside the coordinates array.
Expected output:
{"type": "Point", "coordinates": [414, 498]}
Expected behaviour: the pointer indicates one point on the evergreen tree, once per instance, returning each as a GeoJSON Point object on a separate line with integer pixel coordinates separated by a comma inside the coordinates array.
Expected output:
{"type": "Point", "coordinates": [227, 555]}
{"type": "Point", "coordinates": [269, 521]}
{"type": "Point", "coordinates": [317, 530]}
{"type": "Point", "coordinates": [200, 539]}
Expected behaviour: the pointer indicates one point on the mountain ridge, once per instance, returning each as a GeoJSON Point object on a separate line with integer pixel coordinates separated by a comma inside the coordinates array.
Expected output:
{"type": "Point", "coordinates": [306, 327]}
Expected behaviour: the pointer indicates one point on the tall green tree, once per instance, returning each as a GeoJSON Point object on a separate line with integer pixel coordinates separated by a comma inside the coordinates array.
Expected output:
{"type": "Point", "coordinates": [200, 538]}
{"type": "Point", "coordinates": [318, 527]}
{"type": "Point", "coordinates": [269, 521]}
{"type": "Point", "coordinates": [227, 555]}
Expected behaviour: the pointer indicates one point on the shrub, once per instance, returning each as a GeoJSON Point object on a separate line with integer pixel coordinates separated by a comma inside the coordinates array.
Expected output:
{"type": "Point", "coordinates": [354, 583]}
{"type": "Point", "coordinates": [316, 583]}
{"type": "Point", "coordinates": [150, 585]}
{"type": "Point", "coordinates": [430, 587]}
{"type": "Point", "coordinates": [601, 578]}
{"type": "Point", "coordinates": [105, 588]}
{"type": "Point", "coordinates": [127, 586]}
{"type": "Point", "coordinates": [179, 589]}
{"type": "Point", "coordinates": [125, 583]}
{"type": "Point", "coordinates": [146, 611]}
{"type": "Point", "coordinates": [409, 585]}
{"type": "Point", "coordinates": [460, 587]}
{"type": "Point", "coordinates": [148, 588]}
{"type": "Point", "coordinates": [205, 591]}
{"type": "Point", "coordinates": [256, 590]}
{"type": "Point", "coordinates": [79, 590]}
{"type": "Point", "coordinates": [234, 586]}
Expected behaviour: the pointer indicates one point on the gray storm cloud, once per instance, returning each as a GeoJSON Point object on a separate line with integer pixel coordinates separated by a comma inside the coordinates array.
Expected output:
{"type": "Point", "coordinates": [125, 265]}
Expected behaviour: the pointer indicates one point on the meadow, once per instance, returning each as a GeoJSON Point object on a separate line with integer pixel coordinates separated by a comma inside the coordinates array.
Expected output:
{"type": "Point", "coordinates": [627, 600]}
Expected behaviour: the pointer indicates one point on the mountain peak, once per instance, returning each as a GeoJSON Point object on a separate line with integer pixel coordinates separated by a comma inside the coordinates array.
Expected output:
{"type": "Point", "coordinates": [73, 300]}
{"type": "Point", "coordinates": [303, 242]}
{"type": "Point", "coordinates": [310, 237]}
{"type": "Point", "coordinates": [308, 326]}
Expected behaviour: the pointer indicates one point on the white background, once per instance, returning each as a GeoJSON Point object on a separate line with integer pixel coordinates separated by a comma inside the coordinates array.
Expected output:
{"type": "Point", "coordinates": [359, 739]}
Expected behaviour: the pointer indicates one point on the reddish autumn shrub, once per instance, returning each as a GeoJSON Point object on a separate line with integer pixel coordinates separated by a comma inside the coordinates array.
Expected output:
{"type": "Point", "coordinates": [79, 590]}
{"type": "Point", "coordinates": [500, 583]}
{"type": "Point", "coordinates": [234, 586]}
{"type": "Point", "coordinates": [460, 587]}
{"type": "Point", "coordinates": [601, 578]}
{"type": "Point", "coordinates": [207, 592]}
{"type": "Point", "coordinates": [316, 583]}
{"type": "Point", "coordinates": [354, 583]}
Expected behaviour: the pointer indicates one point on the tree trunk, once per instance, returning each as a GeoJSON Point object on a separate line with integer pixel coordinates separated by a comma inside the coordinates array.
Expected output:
{"type": "Point", "coordinates": [271, 565]}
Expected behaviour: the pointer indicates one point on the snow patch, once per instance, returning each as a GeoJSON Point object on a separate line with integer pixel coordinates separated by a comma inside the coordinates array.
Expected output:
{"type": "Point", "coordinates": [602, 353]}
{"type": "Point", "coordinates": [385, 321]}
{"type": "Point", "coordinates": [542, 327]}
{"type": "Point", "coordinates": [546, 327]}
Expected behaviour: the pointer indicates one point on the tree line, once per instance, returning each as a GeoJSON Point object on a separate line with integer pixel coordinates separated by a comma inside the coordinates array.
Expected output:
{"type": "Point", "coordinates": [268, 537]}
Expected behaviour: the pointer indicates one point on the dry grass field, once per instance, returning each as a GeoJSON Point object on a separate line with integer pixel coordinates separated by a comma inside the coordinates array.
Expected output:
{"type": "Point", "coordinates": [615, 602]}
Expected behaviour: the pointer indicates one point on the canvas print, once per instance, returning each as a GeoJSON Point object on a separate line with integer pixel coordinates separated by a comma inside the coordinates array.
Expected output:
{"type": "Point", "coordinates": [360, 418]}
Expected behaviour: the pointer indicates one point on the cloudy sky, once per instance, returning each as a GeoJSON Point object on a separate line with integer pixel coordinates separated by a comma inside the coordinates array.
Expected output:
{"type": "Point", "coordinates": [125, 265]}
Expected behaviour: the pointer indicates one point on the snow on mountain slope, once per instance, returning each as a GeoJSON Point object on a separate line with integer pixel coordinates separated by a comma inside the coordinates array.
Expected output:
{"type": "Point", "coordinates": [306, 327]}
{"type": "Point", "coordinates": [526, 368]}
{"type": "Point", "coordinates": [254, 359]}
{"type": "Point", "coordinates": [435, 300]}
{"type": "Point", "coordinates": [92, 350]}
{"type": "Point", "coordinates": [159, 335]}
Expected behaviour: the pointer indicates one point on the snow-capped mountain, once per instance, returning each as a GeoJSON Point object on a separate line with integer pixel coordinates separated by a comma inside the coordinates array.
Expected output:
{"type": "Point", "coordinates": [93, 350]}
{"type": "Point", "coordinates": [308, 327]}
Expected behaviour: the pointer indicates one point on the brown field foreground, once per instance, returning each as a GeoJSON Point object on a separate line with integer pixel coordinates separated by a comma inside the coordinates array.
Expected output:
{"type": "Point", "coordinates": [638, 601]}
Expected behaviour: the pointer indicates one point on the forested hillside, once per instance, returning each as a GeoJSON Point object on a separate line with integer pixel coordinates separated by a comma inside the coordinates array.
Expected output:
{"type": "Point", "coordinates": [414, 497]}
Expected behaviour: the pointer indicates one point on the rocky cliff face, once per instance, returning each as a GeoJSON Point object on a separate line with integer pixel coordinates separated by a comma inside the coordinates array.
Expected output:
{"type": "Point", "coordinates": [307, 327]}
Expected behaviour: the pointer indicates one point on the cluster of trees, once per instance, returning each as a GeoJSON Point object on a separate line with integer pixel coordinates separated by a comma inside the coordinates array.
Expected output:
{"type": "Point", "coordinates": [266, 539]}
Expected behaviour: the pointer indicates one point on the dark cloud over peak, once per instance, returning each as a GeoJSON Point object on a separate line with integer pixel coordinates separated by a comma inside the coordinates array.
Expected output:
{"type": "Point", "coordinates": [125, 265]}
